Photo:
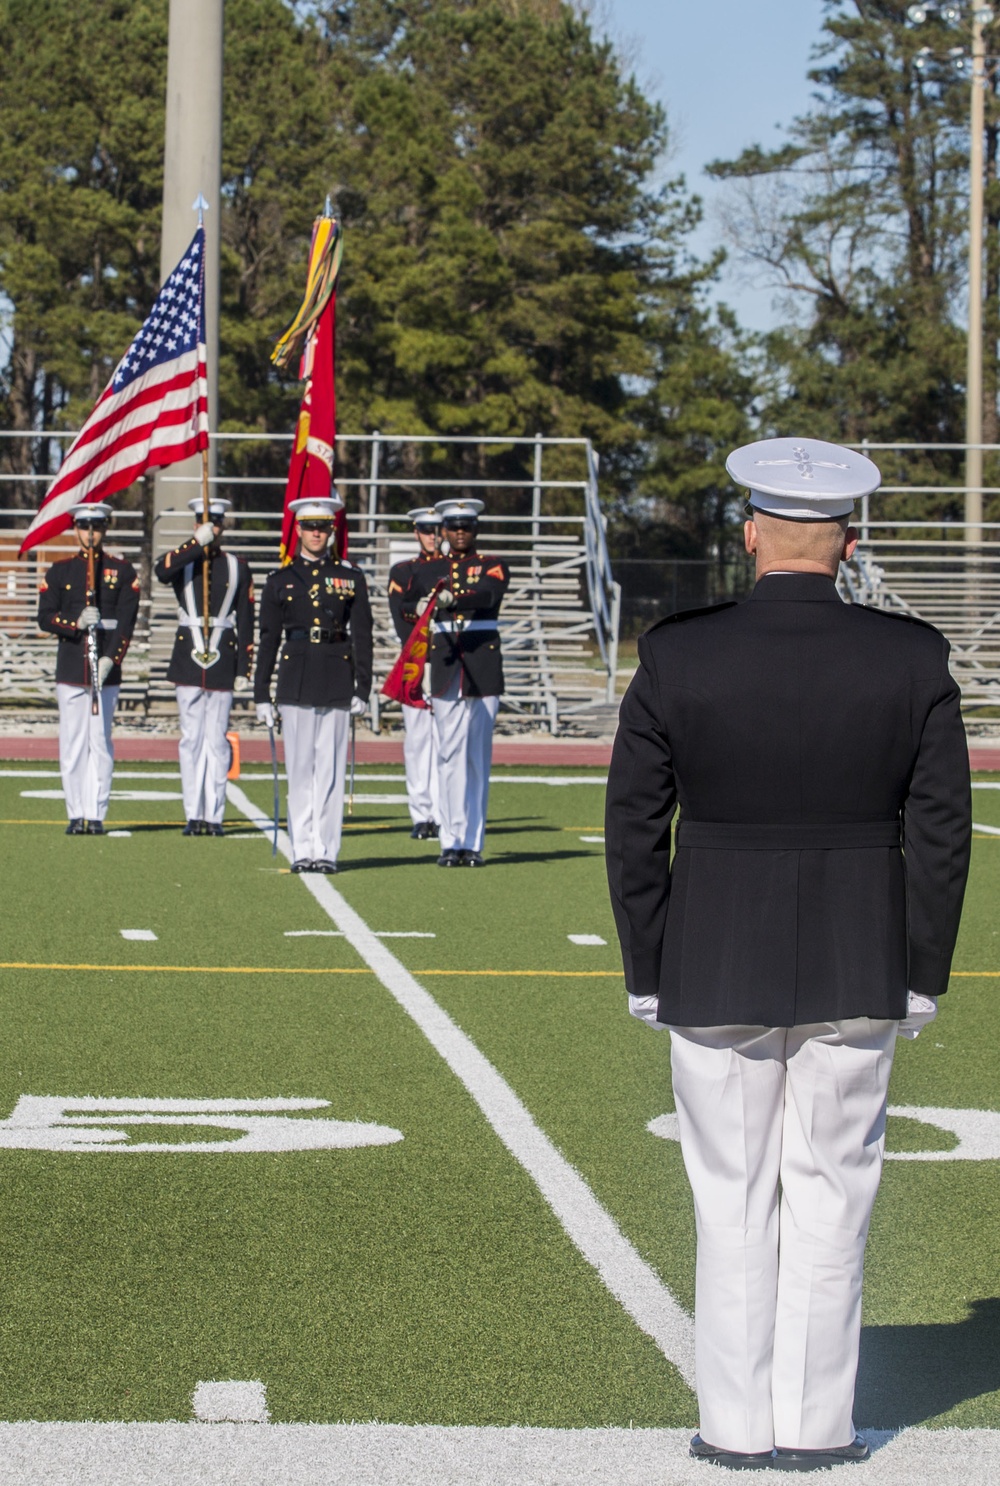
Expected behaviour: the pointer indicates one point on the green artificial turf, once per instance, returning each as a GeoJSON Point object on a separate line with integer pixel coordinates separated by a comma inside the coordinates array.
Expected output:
{"type": "Point", "coordinates": [425, 1281]}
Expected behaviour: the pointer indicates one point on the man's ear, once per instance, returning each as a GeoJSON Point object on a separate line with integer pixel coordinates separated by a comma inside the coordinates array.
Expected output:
{"type": "Point", "coordinates": [750, 537]}
{"type": "Point", "coordinates": [850, 542]}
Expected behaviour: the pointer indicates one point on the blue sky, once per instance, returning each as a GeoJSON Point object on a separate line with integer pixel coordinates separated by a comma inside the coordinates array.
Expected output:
{"type": "Point", "coordinates": [728, 72]}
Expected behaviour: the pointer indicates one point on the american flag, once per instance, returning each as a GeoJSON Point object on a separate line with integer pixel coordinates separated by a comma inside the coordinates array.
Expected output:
{"type": "Point", "coordinates": [153, 412]}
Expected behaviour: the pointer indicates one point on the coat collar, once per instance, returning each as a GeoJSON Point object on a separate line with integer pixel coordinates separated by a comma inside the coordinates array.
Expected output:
{"type": "Point", "coordinates": [797, 588]}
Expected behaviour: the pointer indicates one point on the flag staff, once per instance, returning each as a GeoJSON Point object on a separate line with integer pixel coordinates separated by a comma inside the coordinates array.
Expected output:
{"type": "Point", "coordinates": [201, 206]}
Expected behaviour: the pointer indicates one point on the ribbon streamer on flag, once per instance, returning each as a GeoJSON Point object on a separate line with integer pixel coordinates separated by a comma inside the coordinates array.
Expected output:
{"type": "Point", "coordinates": [405, 681]}
{"type": "Point", "coordinates": [312, 335]}
{"type": "Point", "coordinates": [152, 413]}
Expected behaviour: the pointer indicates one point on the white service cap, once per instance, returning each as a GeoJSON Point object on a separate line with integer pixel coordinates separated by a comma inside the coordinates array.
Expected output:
{"type": "Point", "coordinates": [95, 510]}
{"type": "Point", "coordinates": [217, 505]}
{"type": "Point", "coordinates": [473, 508]}
{"type": "Point", "coordinates": [316, 507]}
{"type": "Point", "coordinates": [803, 479]}
{"type": "Point", "coordinates": [425, 513]}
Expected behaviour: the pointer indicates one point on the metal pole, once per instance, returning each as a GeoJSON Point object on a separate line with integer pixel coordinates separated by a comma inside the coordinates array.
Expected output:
{"type": "Point", "coordinates": [192, 164]}
{"type": "Point", "coordinates": [373, 485]}
{"type": "Point", "coordinates": [536, 528]}
{"type": "Point", "coordinates": [974, 372]}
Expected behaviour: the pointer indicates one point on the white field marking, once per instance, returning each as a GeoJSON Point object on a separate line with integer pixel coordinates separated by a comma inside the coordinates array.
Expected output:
{"type": "Point", "coordinates": [597, 840]}
{"type": "Point", "coordinates": [336, 934]}
{"type": "Point", "coordinates": [977, 1130]}
{"type": "Point", "coordinates": [118, 834]}
{"type": "Point", "coordinates": [434, 1455]}
{"type": "Point", "coordinates": [585, 939]}
{"type": "Point", "coordinates": [984, 784]}
{"type": "Point", "coordinates": [989, 830]}
{"type": "Point", "coordinates": [116, 794]}
{"type": "Point", "coordinates": [589, 1225]}
{"type": "Point", "coordinates": [39, 1123]}
{"type": "Point", "coordinates": [137, 934]}
{"type": "Point", "coordinates": [230, 1402]}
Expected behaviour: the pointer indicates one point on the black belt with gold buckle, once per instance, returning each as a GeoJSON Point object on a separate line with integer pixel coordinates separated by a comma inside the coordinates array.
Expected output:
{"type": "Point", "coordinates": [316, 635]}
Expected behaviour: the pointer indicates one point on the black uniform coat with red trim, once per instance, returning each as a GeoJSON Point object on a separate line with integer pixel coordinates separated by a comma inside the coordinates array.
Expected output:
{"type": "Point", "coordinates": [801, 737]}
{"type": "Point", "coordinates": [235, 645]}
{"type": "Point", "coordinates": [402, 614]}
{"type": "Point", "coordinates": [479, 584]}
{"type": "Point", "coordinates": [328, 599]}
{"type": "Point", "coordinates": [62, 599]}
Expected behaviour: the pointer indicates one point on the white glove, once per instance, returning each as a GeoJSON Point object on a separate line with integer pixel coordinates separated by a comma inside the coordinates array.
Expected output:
{"type": "Point", "coordinates": [358, 706]}
{"type": "Point", "coordinates": [89, 618]}
{"type": "Point", "coordinates": [446, 599]}
{"type": "Point", "coordinates": [265, 714]}
{"type": "Point", "coordinates": [919, 1011]}
{"type": "Point", "coordinates": [241, 683]}
{"type": "Point", "coordinates": [424, 604]}
{"type": "Point", "coordinates": [104, 668]}
{"type": "Point", "coordinates": [204, 534]}
{"type": "Point", "coordinates": [645, 1008]}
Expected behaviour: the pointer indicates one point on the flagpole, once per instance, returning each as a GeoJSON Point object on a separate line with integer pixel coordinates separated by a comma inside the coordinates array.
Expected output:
{"type": "Point", "coordinates": [206, 515]}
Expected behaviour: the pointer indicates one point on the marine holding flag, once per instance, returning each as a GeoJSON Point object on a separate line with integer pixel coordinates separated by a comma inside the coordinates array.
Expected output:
{"type": "Point", "coordinates": [419, 749]}
{"type": "Point", "coordinates": [153, 412]}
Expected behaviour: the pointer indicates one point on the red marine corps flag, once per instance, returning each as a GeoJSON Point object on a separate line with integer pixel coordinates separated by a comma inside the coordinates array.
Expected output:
{"type": "Point", "coordinates": [152, 413]}
{"type": "Point", "coordinates": [405, 681]}
{"type": "Point", "coordinates": [312, 338]}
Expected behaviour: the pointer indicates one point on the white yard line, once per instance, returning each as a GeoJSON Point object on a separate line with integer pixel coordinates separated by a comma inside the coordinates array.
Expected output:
{"type": "Point", "coordinates": [987, 830]}
{"type": "Point", "coordinates": [434, 1455]}
{"type": "Point", "coordinates": [590, 1227]}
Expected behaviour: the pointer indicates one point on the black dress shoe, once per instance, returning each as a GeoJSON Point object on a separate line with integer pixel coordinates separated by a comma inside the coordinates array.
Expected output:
{"type": "Point", "coordinates": [95, 828]}
{"type": "Point", "coordinates": [212, 828]}
{"type": "Point", "coordinates": [450, 858]}
{"type": "Point", "coordinates": [419, 832]}
{"type": "Point", "coordinates": [821, 1460]}
{"type": "Point", "coordinates": [193, 828]}
{"type": "Point", "coordinates": [302, 865]}
{"type": "Point", "coordinates": [472, 859]}
{"type": "Point", "coordinates": [325, 865]}
{"type": "Point", "coordinates": [732, 1460]}
{"type": "Point", "coordinates": [77, 827]}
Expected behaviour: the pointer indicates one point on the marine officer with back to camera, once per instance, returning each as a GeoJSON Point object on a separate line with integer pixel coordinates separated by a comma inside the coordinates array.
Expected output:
{"type": "Point", "coordinates": [466, 675]}
{"type": "Point", "coordinates": [90, 602]}
{"type": "Point", "coordinates": [206, 679]}
{"type": "Point", "coordinates": [419, 751]}
{"type": "Point", "coordinates": [816, 752]}
{"type": "Point", "coordinates": [315, 612]}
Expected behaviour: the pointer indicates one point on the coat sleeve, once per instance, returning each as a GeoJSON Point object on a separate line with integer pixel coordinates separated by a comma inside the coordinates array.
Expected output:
{"type": "Point", "coordinates": [489, 591]}
{"type": "Point", "coordinates": [270, 639]}
{"type": "Point", "coordinates": [171, 563]}
{"type": "Point", "coordinates": [126, 612]}
{"type": "Point", "coordinates": [361, 639]}
{"type": "Point", "coordinates": [49, 617]}
{"type": "Point", "coordinates": [937, 837]}
{"type": "Point", "coordinates": [641, 800]}
{"type": "Point", "coordinates": [399, 578]}
{"type": "Point", "coordinates": [244, 621]}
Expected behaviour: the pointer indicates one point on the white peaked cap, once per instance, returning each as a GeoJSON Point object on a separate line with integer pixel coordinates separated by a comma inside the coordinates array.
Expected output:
{"type": "Point", "coordinates": [316, 507]}
{"type": "Point", "coordinates": [95, 510]}
{"type": "Point", "coordinates": [217, 505]}
{"type": "Point", "coordinates": [803, 479]}
{"type": "Point", "coordinates": [425, 513]}
{"type": "Point", "coordinates": [472, 508]}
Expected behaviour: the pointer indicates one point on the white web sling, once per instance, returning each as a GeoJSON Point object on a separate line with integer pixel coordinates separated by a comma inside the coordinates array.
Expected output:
{"type": "Point", "coordinates": [188, 616]}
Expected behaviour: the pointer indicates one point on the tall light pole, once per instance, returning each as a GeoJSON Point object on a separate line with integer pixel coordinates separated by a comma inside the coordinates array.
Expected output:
{"type": "Point", "coordinates": [982, 15]}
{"type": "Point", "coordinates": [192, 166]}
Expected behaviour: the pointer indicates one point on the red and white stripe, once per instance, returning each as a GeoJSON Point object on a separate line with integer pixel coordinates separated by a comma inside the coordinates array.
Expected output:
{"type": "Point", "coordinates": [156, 420]}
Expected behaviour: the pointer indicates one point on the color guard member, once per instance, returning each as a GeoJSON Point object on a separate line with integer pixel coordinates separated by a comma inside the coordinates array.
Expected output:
{"type": "Point", "coordinates": [69, 609]}
{"type": "Point", "coordinates": [419, 751]}
{"type": "Point", "coordinates": [315, 612]}
{"type": "Point", "coordinates": [205, 682]}
{"type": "Point", "coordinates": [466, 675]}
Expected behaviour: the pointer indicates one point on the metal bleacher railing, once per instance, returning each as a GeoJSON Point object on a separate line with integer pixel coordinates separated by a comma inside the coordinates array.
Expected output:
{"type": "Point", "coordinates": [935, 567]}
{"type": "Point", "coordinates": [559, 622]}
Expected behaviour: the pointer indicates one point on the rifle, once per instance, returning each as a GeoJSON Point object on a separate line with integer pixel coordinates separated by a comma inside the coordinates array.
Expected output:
{"type": "Point", "coordinates": [93, 652]}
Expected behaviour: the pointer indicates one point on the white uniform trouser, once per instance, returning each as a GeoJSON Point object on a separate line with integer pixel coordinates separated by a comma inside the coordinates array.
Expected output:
{"type": "Point", "coordinates": [463, 729]}
{"type": "Point", "coordinates": [316, 740]}
{"type": "Point", "coordinates": [86, 753]}
{"type": "Point", "coordinates": [778, 1291]}
{"type": "Point", "coordinates": [203, 751]}
{"type": "Point", "coordinates": [421, 760]}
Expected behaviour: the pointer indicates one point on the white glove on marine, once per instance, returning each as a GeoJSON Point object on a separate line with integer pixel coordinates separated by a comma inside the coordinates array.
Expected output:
{"type": "Point", "coordinates": [358, 706]}
{"type": "Point", "coordinates": [104, 668]}
{"type": "Point", "coordinates": [89, 618]}
{"type": "Point", "coordinates": [265, 714]}
{"type": "Point", "coordinates": [241, 683]}
{"type": "Point", "coordinates": [446, 599]}
{"type": "Point", "coordinates": [424, 605]}
{"type": "Point", "coordinates": [920, 1010]}
{"type": "Point", "coordinates": [645, 1008]}
{"type": "Point", "coordinates": [204, 534]}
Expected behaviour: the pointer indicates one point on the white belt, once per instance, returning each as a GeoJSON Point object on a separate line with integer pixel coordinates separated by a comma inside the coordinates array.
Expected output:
{"type": "Point", "coordinates": [185, 622]}
{"type": "Point", "coordinates": [451, 626]}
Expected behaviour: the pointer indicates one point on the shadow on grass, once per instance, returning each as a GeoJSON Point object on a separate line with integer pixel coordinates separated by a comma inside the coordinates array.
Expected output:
{"type": "Point", "coordinates": [909, 1374]}
{"type": "Point", "coordinates": [505, 859]}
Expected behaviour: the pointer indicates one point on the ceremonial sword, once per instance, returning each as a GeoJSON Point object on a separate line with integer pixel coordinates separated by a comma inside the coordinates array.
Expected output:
{"type": "Point", "coordinates": [274, 770]}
